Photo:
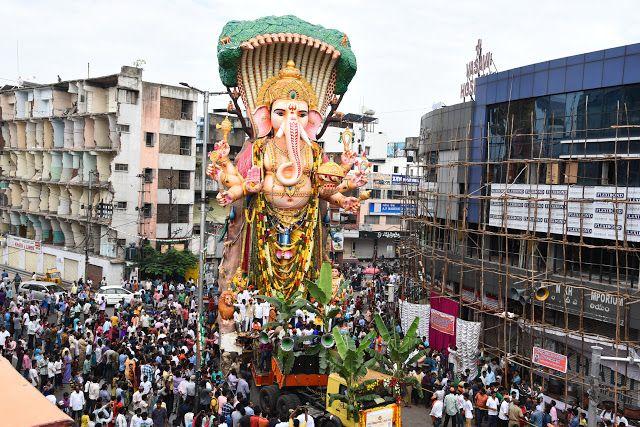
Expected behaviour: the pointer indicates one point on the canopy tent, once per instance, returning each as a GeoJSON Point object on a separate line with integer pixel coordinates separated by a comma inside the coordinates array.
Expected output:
{"type": "Point", "coordinates": [21, 405]}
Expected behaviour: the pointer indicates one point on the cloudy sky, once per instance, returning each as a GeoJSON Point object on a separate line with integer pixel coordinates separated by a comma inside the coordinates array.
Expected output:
{"type": "Point", "coordinates": [411, 53]}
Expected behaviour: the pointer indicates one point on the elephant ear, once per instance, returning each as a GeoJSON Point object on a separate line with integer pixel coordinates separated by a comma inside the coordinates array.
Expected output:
{"type": "Point", "coordinates": [314, 123]}
{"type": "Point", "coordinates": [262, 121]}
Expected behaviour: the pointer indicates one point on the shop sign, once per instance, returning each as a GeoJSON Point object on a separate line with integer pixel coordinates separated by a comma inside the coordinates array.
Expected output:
{"type": "Point", "coordinates": [350, 234]}
{"type": "Point", "coordinates": [26, 244]}
{"type": "Point", "coordinates": [549, 359]}
{"type": "Point", "coordinates": [379, 418]}
{"type": "Point", "coordinates": [383, 234]}
{"type": "Point", "coordinates": [479, 66]}
{"type": "Point", "coordinates": [390, 208]}
{"type": "Point", "coordinates": [443, 322]}
{"type": "Point", "coordinates": [594, 304]}
{"type": "Point", "coordinates": [404, 179]}
{"type": "Point", "coordinates": [601, 212]}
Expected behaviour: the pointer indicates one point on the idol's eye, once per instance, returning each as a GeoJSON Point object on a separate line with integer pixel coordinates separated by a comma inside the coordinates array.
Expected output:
{"type": "Point", "coordinates": [279, 112]}
{"type": "Point", "coordinates": [302, 114]}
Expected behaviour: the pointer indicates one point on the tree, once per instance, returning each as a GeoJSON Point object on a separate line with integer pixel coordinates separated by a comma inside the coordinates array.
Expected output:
{"type": "Point", "coordinates": [349, 362]}
{"type": "Point", "coordinates": [171, 264]}
{"type": "Point", "coordinates": [400, 355]}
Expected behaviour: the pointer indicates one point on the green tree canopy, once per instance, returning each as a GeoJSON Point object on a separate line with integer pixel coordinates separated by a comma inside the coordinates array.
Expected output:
{"type": "Point", "coordinates": [171, 264]}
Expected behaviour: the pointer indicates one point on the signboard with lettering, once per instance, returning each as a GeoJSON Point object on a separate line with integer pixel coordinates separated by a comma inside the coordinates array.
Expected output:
{"type": "Point", "coordinates": [383, 234]}
{"type": "Point", "coordinates": [443, 322]}
{"type": "Point", "coordinates": [481, 65]}
{"type": "Point", "coordinates": [404, 179]}
{"type": "Point", "coordinates": [379, 417]}
{"type": "Point", "coordinates": [549, 359]}
{"type": "Point", "coordinates": [594, 304]}
{"type": "Point", "coordinates": [602, 212]}
{"type": "Point", "coordinates": [26, 244]}
{"type": "Point", "coordinates": [382, 208]}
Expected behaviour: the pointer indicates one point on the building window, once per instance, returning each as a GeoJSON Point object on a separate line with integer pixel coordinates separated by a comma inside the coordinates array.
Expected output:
{"type": "Point", "coordinates": [148, 175]}
{"type": "Point", "coordinates": [393, 220]}
{"type": "Point", "coordinates": [376, 194]}
{"type": "Point", "coordinates": [185, 146]}
{"type": "Point", "coordinates": [184, 180]}
{"type": "Point", "coordinates": [186, 112]}
{"type": "Point", "coordinates": [147, 210]}
{"type": "Point", "coordinates": [121, 242]}
{"type": "Point", "coordinates": [122, 128]}
{"type": "Point", "coordinates": [375, 168]}
{"type": "Point", "coordinates": [149, 139]}
{"type": "Point", "coordinates": [368, 219]}
{"type": "Point", "coordinates": [396, 169]}
{"type": "Point", "coordinates": [122, 167]}
{"type": "Point", "coordinates": [121, 206]}
{"type": "Point", "coordinates": [127, 96]}
{"type": "Point", "coordinates": [176, 213]}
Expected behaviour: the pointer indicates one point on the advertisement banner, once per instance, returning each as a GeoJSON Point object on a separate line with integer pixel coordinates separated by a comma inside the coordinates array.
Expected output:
{"type": "Point", "coordinates": [390, 208]}
{"type": "Point", "coordinates": [549, 359]}
{"type": "Point", "coordinates": [443, 322]}
{"type": "Point", "coordinates": [602, 212]}
{"type": "Point", "coordinates": [404, 179]}
{"type": "Point", "coordinates": [379, 418]}
{"type": "Point", "coordinates": [337, 240]}
{"type": "Point", "coordinates": [21, 243]}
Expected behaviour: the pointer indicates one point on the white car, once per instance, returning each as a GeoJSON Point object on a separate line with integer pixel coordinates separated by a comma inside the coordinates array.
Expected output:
{"type": "Point", "coordinates": [37, 289]}
{"type": "Point", "coordinates": [114, 294]}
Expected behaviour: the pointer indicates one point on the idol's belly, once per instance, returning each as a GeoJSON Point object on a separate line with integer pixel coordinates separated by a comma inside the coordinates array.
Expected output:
{"type": "Point", "coordinates": [286, 198]}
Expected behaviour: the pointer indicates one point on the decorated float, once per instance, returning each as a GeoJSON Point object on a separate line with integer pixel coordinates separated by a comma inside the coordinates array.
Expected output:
{"type": "Point", "coordinates": [286, 78]}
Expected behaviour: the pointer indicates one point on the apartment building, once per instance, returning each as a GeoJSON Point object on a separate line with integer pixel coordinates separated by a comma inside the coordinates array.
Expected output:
{"type": "Point", "coordinates": [92, 168]}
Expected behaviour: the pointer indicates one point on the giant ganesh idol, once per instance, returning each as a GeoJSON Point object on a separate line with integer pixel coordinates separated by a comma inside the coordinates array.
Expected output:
{"type": "Point", "coordinates": [288, 74]}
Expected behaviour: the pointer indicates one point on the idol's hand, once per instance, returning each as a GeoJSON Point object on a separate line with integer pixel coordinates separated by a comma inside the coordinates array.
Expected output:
{"type": "Point", "coordinates": [224, 198]}
{"type": "Point", "coordinates": [350, 204]}
{"type": "Point", "coordinates": [252, 181]}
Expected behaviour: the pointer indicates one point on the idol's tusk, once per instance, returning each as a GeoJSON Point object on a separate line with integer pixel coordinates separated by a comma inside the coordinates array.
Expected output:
{"type": "Point", "coordinates": [280, 132]}
{"type": "Point", "coordinates": [305, 137]}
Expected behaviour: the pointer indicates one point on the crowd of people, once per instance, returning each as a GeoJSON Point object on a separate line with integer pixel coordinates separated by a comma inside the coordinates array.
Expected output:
{"type": "Point", "coordinates": [134, 364]}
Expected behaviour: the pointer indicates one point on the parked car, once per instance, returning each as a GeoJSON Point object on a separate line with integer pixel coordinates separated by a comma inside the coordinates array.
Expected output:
{"type": "Point", "coordinates": [38, 289]}
{"type": "Point", "coordinates": [114, 294]}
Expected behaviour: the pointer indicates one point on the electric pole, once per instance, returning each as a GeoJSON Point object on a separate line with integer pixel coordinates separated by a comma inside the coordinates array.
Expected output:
{"type": "Point", "coordinates": [170, 178]}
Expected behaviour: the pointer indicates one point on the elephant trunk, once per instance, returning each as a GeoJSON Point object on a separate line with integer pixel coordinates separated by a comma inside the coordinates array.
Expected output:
{"type": "Point", "coordinates": [289, 173]}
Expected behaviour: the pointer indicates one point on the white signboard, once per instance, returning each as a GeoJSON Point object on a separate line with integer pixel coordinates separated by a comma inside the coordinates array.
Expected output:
{"type": "Point", "coordinates": [380, 418]}
{"type": "Point", "coordinates": [601, 212]}
{"type": "Point", "coordinates": [21, 243]}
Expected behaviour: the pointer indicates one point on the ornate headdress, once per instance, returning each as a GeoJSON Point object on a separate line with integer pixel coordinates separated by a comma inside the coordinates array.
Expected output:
{"type": "Point", "coordinates": [288, 84]}
{"type": "Point", "coordinates": [252, 53]}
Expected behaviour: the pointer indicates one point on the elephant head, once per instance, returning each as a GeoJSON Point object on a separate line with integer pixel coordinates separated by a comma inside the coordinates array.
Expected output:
{"type": "Point", "coordinates": [295, 121]}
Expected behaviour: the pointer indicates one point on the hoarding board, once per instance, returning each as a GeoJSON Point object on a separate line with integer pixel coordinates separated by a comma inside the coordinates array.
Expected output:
{"type": "Point", "coordinates": [549, 359]}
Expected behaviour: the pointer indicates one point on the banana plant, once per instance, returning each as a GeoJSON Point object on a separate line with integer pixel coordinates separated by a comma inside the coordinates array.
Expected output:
{"type": "Point", "coordinates": [400, 354]}
{"type": "Point", "coordinates": [351, 364]}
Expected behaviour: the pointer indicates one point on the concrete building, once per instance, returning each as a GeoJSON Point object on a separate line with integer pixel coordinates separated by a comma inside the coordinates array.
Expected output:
{"type": "Point", "coordinates": [216, 215]}
{"type": "Point", "coordinates": [90, 167]}
{"type": "Point", "coordinates": [374, 232]}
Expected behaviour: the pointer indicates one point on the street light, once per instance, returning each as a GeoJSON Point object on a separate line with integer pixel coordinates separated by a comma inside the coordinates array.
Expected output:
{"type": "Point", "coordinates": [203, 207]}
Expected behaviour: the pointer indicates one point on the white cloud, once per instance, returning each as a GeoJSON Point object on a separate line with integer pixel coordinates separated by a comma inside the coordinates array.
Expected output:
{"type": "Point", "coordinates": [410, 53]}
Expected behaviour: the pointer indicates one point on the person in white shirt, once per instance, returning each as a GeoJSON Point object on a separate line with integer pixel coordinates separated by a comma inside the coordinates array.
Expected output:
{"type": "Point", "coordinates": [121, 421]}
{"type": "Point", "coordinates": [266, 308]}
{"type": "Point", "coordinates": [503, 413]}
{"type": "Point", "coordinates": [436, 409]}
{"type": "Point", "coordinates": [138, 399]}
{"type": "Point", "coordinates": [136, 419]}
{"type": "Point", "coordinates": [257, 311]}
{"type": "Point", "coordinates": [76, 401]}
{"type": "Point", "coordinates": [468, 409]}
{"type": "Point", "coordinates": [492, 408]}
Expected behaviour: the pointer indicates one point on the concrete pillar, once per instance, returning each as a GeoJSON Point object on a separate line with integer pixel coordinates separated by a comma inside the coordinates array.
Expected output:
{"type": "Point", "coordinates": [21, 128]}
{"type": "Point", "coordinates": [68, 134]}
{"type": "Point", "coordinates": [67, 167]}
{"type": "Point", "coordinates": [58, 133]}
{"type": "Point", "coordinates": [54, 198]}
{"type": "Point", "coordinates": [69, 241]}
{"type": "Point", "coordinates": [89, 164]}
{"type": "Point", "coordinates": [6, 134]}
{"type": "Point", "coordinates": [5, 163]}
{"type": "Point", "coordinates": [37, 165]}
{"type": "Point", "coordinates": [21, 164]}
{"type": "Point", "coordinates": [40, 133]}
{"type": "Point", "coordinates": [31, 134]}
{"type": "Point", "coordinates": [25, 196]}
{"type": "Point", "coordinates": [76, 200]}
{"type": "Point", "coordinates": [78, 234]}
{"type": "Point", "coordinates": [47, 134]}
{"type": "Point", "coordinates": [33, 194]}
{"type": "Point", "coordinates": [6, 222]}
{"type": "Point", "coordinates": [76, 167]}
{"type": "Point", "coordinates": [78, 133]}
{"type": "Point", "coordinates": [15, 222]}
{"type": "Point", "coordinates": [15, 195]}
{"type": "Point", "coordinates": [35, 222]}
{"type": "Point", "coordinates": [64, 207]}
{"type": "Point", "coordinates": [58, 235]}
{"type": "Point", "coordinates": [44, 198]}
{"type": "Point", "coordinates": [13, 167]}
{"type": "Point", "coordinates": [30, 161]}
{"type": "Point", "coordinates": [46, 166]}
{"type": "Point", "coordinates": [101, 133]}
{"type": "Point", "coordinates": [114, 135]}
{"type": "Point", "coordinates": [13, 135]}
{"type": "Point", "coordinates": [45, 224]}
{"type": "Point", "coordinates": [89, 141]}
{"type": "Point", "coordinates": [56, 166]}
{"type": "Point", "coordinates": [104, 167]}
